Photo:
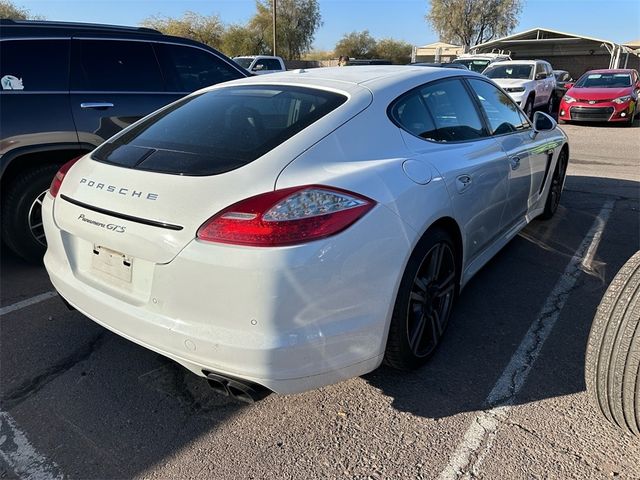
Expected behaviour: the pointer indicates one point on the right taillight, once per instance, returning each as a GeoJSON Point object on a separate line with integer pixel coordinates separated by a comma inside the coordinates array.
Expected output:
{"type": "Point", "coordinates": [286, 217]}
{"type": "Point", "coordinates": [56, 183]}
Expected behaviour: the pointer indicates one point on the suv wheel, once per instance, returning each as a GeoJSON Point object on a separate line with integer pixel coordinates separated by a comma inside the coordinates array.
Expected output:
{"type": "Point", "coordinates": [22, 228]}
{"type": "Point", "coordinates": [551, 104]}
{"type": "Point", "coordinates": [528, 108]}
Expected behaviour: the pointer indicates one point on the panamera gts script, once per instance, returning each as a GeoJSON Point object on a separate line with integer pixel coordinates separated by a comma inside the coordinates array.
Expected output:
{"type": "Point", "coordinates": [109, 226]}
{"type": "Point", "coordinates": [127, 192]}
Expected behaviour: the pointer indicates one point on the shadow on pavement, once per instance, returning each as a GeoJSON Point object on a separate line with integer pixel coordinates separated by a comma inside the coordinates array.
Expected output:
{"type": "Point", "coordinates": [497, 307]}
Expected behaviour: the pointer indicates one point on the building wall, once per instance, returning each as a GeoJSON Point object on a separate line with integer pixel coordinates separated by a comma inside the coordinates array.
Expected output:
{"type": "Point", "coordinates": [576, 65]}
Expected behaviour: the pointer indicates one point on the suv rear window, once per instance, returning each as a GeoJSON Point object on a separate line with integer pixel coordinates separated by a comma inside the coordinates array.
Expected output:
{"type": "Point", "coordinates": [35, 65]}
{"type": "Point", "coordinates": [220, 130]}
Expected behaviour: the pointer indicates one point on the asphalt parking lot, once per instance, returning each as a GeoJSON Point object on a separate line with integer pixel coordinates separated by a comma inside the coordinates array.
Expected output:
{"type": "Point", "coordinates": [504, 396]}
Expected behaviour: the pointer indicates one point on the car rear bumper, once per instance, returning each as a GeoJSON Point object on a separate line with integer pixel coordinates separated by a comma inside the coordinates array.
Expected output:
{"type": "Point", "coordinates": [599, 112]}
{"type": "Point", "coordinates": [290, 319]}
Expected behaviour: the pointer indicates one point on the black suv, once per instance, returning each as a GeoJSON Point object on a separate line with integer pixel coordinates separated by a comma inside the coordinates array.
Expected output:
{"type": "Point", "coordinates": [67, 87]}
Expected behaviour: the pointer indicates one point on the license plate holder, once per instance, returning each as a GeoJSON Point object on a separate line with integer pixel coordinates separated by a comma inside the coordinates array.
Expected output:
{"type": "Point", "coordinates": [112, 263]}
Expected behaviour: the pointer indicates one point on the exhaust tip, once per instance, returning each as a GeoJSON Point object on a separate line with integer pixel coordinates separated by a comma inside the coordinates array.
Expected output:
{"type": "Point", "coordinates": [242, 390]}
{"type": "Point", "coordinates": [218, 386]}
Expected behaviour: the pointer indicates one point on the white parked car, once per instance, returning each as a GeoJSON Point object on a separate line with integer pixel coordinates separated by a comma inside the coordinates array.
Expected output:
{"type": "Point", "coordinates": [289, 232]}
{"type": "Point", "coordinates": [478, 62]}
{"type": "Point", "coordinates": [530, 83]}
{"type": "Point", "coordinates": [261, 64]}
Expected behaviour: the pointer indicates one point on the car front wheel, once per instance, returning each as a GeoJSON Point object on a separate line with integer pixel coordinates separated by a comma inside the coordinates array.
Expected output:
{"type": "Point", "coordinates": [528, 108]}
{"type": "Point", "coordinates": [22, 229]}
{"type": "Point", "coordinates": [424, 303]}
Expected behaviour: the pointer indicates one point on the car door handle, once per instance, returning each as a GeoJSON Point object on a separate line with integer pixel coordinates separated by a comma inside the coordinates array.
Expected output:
{"type": "Point", "coordinates": [515, 162]}
{"type": "Point", "coordinates": [96, 105]}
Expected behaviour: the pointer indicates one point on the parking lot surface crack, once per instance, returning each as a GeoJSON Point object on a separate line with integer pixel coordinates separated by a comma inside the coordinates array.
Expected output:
{"type": "Point", "coordinates": [32, 386]}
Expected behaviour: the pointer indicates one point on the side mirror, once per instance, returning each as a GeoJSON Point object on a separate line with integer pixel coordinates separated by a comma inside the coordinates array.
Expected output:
{"type": "Point", "coordinates": [541, 76]}
{"type": "Point", "coordinates": [542, 123]}
{"type": "Point", "coordinates": [568, 85]}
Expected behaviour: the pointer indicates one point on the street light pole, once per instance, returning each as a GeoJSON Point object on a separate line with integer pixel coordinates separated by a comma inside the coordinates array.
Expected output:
{"type": "Point", "coordinates": [274, 27]}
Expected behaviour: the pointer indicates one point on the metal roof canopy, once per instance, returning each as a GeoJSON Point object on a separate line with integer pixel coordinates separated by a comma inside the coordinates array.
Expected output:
{"type": "Point", "coordinates": [540, 42]}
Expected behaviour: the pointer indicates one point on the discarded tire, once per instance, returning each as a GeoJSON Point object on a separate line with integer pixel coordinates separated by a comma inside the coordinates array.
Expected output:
{"type": "Point", "coordinates": [613, 352]}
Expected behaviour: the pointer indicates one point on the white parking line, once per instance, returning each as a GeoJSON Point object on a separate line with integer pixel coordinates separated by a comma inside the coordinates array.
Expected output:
{"type": "Point", "coordinates": [478, 439]}
{"type": "Point", "coordinates": [19, 455]}
{"type": "Point", "coordinates": [28, 302]}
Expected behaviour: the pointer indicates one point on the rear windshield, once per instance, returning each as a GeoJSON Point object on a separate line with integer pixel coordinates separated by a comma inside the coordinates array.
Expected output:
{"type": "Point", "coordinates": [243, 62]}
{"type": "Point", "coordinates": [473, 65]}
{"type": "Point", "coordinates": [218, 131]}
{"type": "Point", "coordinates": [604, 80]}
{"type": "Point", "coordinates": [520, 72]}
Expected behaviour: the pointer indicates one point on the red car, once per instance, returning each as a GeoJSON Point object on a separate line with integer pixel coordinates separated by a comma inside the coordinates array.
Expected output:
{"type": "Point", "coordinates": [602, 96]}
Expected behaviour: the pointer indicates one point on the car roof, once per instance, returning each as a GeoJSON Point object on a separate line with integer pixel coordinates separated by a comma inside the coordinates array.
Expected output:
{"type": "Point", "coordinates": [611, 70]}
{"type": "Point", "coordinates": [516, 62]}
{"type": "Point", "coordinates": [31, 27]}
{"type": "Point", "coordinates": [380, 80]}
{"type": "Point", "coordinates": [361, 74]}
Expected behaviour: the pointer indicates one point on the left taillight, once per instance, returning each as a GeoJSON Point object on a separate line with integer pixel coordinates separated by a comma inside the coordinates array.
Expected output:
{"type": "Point", "coordinates": [286, 217]}
{"type": "Point", "coordinates": [56, 183]}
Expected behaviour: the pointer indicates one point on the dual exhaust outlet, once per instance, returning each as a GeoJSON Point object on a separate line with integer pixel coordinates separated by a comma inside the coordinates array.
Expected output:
{"type": "Point", "coordinates": [242, 390]}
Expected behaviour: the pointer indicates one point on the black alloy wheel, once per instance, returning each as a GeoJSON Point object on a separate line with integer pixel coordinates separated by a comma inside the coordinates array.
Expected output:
{"type": "Point", "coordinates": [424, 302]}
{"type": "Point", "coordinates": [431, 300]}
{"type": "Point", "coordinates": [557, 182]}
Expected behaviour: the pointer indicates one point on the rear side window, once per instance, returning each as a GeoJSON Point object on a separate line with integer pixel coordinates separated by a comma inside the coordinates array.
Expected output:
{"type": "Point", "coordinates": [503, 114]}
{"type": "Point", "coordinates": [188, 68]}
{"type": "Point", "coordinates": [220, 130]}
{"type": "Point", "coordinates": [442, 111]}
{"type": "Point", "coordinates": [34, 65]}
{"type": "Point", "coordinates": [116, 66]}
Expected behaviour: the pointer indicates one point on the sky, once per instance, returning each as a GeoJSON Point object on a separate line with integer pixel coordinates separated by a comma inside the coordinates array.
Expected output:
{"type": "Point", "coordinates": [616, 20]}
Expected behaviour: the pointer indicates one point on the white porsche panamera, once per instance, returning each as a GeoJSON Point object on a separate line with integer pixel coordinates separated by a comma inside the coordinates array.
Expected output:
{"type": "Point", "coordinates": [289, 231]}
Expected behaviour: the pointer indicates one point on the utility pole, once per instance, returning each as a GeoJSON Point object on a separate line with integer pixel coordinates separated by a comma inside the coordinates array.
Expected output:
{"type": "Point", "coordinates": [274, 27]}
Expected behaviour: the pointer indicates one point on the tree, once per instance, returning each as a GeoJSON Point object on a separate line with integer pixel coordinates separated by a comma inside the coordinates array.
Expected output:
{"type": "Point", "coordinates": [296, 25]}
{"type": "Point", "coordinates": [357, 45]}
{"type": "Point", "coordinates": [242, 40]}
{"type": "Point", "coordinates": [470, 22]}
{"type": "Point", "coordinates": [397, 51]}
{"type": "Point", "coordinates": [319, 55]}
{"type": "Point", "coordinates": [202, 28]}
{"type": "Point", "coordinates": [10, 11]}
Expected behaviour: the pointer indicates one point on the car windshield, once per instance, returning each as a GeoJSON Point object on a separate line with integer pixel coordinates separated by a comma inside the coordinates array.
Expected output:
{"type": "Point", "coordinates": [475, 65]}
{"type": "Point", "coordinates": [219, 130]}
{"type": "Point", "coordinates": [604, 80]}
{"type": "Point", "coordinates": [520, 72]}
{"type": "Point", "coordinates": [243, 62]}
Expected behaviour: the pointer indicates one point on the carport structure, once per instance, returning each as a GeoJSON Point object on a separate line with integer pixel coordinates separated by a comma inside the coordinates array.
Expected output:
{"type": "Point", "coordinates": [565, 51]}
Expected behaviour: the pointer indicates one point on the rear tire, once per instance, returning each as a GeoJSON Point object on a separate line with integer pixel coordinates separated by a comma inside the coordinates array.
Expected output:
{"type": "Point", "coordinates": [21, 212]}
{"type": "Point", "coordinates": [612, 364]}
{"type": "Point", "coordinates": [424, 303]}
{"type": "Point", "coordinates": [557, 183]}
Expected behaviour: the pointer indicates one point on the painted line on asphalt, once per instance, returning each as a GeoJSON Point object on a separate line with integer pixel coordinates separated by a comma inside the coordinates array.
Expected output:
{"type": "Point", "coordinates": [20, 455]}
{"type": "Point", "coordinates": [28, 302]}
{"type": "Point", "coordinates": [479, 437]}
